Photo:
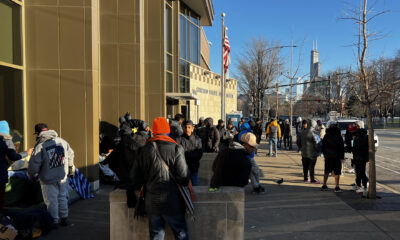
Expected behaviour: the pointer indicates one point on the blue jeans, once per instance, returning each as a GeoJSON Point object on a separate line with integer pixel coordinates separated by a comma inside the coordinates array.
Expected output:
{"type": "Point", "coordinates": [177, 224]}
{"type": "Point", "coordinates": [195, 179]}
{"type": "Point", "coordinates": [275, 142]}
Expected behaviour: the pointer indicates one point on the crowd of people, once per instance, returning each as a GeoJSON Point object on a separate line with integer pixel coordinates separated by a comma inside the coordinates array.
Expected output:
{"type": "Point", "coordinates": [153, 162]}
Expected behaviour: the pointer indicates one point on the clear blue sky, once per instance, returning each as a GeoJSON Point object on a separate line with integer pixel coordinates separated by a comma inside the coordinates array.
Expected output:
{"type": "Point", "coordinates": [310, 20]}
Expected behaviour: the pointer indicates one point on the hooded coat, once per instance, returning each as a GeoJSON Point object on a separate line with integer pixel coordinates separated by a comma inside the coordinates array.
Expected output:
{"type": "Point", "coordinates": [332, 144]}
{"type": "Point", "coordinates": [211, 139]}
{"type": "Point", "coordinates": [162, 195]}
{"type": "Point", "coordinates": [360, 147]}
{"type": "Point", "coordinates": [274, 130]}
{"type": "Point", "coordinates": [308, 143]}
{"type": "Point", "coordinates": [231, 167]}
{"type": "Point", "coordinates": [51, 158]}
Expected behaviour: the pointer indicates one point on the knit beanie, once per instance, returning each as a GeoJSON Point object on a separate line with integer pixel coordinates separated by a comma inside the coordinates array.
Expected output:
{"type": "Point", "coordinates": [4, 128]}
{"type": "Point", "coordinates": [160, 126]}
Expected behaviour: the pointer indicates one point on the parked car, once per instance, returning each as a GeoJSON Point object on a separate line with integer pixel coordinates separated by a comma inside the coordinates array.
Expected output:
{"type": "Point", "coordinates": [343, 124]}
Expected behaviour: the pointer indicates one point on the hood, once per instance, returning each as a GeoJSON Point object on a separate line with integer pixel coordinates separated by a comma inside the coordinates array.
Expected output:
{"type": "Point", "coordinates": [236, 146]}
{"type": "Point", "coordinates": [245, 127]}
{"type": "Point", "coordinates": [333, 130]}
{"type": "Point", "coordinates": [209, 121]}
{"type": "Point", "coordinates": [4, 128]}
{"type": "Point", "coordinates": [46, 135]}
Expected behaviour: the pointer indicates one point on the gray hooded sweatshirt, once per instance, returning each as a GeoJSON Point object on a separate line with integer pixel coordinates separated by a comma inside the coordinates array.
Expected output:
{"type": "Point", "coordinates": [51, 158]}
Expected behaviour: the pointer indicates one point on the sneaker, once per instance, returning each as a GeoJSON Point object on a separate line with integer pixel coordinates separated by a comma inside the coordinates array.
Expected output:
{"type": "Point", "coordinates": [337, 189]}
{"type": "Point", "coordinates": [64, 222]}
{"type": "Point", "coordinates": [359, 190]}
{"type": "Point", "coordinates": [275, 155]}
{"type": "Point", "coordinates": [256, 190]}
{"type": "Point", "coordinates": [324, 188]}
{"type": "Point", "coordinates": [315, 182]}
{"type": "Point", "coordinates": [354, 187]}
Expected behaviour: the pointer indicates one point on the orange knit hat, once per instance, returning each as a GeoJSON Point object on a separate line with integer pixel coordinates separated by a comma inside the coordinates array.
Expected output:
{"type": "Point", "coordinates": [160, 126]}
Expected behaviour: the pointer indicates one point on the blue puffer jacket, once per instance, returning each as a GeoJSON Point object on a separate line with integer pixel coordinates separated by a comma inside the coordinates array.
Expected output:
{"type": "Point", "coordinates": [7, 148]}
{"type": "Point", "coordinates": [245, 128]}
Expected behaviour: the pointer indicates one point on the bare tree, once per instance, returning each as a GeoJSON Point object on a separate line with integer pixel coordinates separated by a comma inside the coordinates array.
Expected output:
{"type": "Point", "coordinates": [258, 69]}
{"type": "Point", "coordinates": [365, 78]}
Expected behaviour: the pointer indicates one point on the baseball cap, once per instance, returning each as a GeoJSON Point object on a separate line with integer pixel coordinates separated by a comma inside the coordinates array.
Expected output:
{"type": "Point", "coordinates": [40, 127]}
{"type": "Point", "coordinates": [250, 139]}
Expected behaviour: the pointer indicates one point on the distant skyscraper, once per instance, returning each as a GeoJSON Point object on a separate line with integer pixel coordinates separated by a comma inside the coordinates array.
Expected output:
{"type": "Point", "coordinates": [315, 66]}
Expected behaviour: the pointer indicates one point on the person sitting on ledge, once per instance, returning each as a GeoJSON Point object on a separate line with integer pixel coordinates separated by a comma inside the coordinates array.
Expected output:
{"type": "Point", "coordinates": [232, 166]}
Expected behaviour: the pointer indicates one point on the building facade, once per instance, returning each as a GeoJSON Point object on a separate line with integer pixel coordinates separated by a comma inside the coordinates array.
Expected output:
{"type": "Point", "coordinates": [79, 64]}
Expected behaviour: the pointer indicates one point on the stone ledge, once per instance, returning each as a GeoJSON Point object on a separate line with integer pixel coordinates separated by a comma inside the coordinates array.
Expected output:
{"type": "Point", "coordinates": [219, 215]}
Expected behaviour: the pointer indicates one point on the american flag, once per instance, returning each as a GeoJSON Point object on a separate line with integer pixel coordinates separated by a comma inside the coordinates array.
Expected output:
{"type": "Point", "coordinates": [227, 50]}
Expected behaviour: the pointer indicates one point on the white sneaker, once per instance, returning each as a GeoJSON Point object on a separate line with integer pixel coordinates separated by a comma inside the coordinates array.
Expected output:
{"type": "Point", "coordinates": [355, 187]}
{"type": "Point", "coordinates": [360, 190]}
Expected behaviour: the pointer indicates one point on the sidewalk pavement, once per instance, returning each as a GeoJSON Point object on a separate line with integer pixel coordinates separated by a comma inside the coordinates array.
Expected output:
{"type": "Point", "coordinates": [298, 210]}
{"type": "Point", "coordinates": [293, 210]}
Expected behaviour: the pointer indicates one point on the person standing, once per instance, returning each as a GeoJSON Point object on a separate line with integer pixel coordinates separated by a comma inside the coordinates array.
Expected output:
{"type": "Point", "coordinates": [273, 133]}
{"type": "Point", "coordinates": [193, 150]}
{"type": "Point", "coordinates": [221, 130]}
{"type": "Point", "coordinates": [52, 162]}
{"type": "Point", "coordinates": [163, 202]}
{"type": "Point", "coordinates": [309, 147]}
{"type": "Point", "coordinates": [333, 150]}
{"type": "Point", "coordinates": [321, 129]}
{"type": "Point", "coordinates": [258, 130]}
{"type": "Point", "coordinates": [242, 120]}
{"type": "Point", "coordinates": [211, 137]}
{"type": "Point", "coordinates": [7, 149]}
{"type": "Point", "coordinates": [176, 126]}
{"type": "Point", "coordinates": [360, 156]}
{"type": "Point", "coordinates": [287, 139]}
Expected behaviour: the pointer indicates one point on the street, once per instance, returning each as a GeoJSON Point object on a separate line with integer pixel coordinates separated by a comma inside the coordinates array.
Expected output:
{"type": "Point", "coordinates": [388, 158]}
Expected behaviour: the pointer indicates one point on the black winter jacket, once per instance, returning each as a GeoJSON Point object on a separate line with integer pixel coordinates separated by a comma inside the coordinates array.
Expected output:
{"type": "Point", "coordinates": [211, 137]}
{"type": "Point", "coordinates": [286, 129]}
{"type": "Point", "coordinates": [231, 167]}
{"type": "Point", "coordinates": [7, 148]}
{"type": "Point", "coordinates": [122, 158]}
{"type": "Point", "coordinates": [332, 144]}
{"type": "Point", "coordinates": [360, 147]}
{"type": "Point", "coordinates": [162, 195]}
{"type": "Point", "coordinates": [193, 151]}
{"type": "Point", "coordinates": [308, 144]}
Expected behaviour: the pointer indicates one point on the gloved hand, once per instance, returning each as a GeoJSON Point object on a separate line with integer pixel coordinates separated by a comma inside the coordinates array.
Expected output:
{"type": "Point", "coordinates": [71, 173]}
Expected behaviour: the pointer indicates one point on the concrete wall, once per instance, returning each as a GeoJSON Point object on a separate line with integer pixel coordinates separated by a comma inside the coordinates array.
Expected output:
{"type": "Point", "coordinates": [205, 170]}
{"type": "Point", "coordinates": [219, 215]}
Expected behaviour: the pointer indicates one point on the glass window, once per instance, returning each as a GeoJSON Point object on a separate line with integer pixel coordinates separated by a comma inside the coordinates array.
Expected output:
{"type": "Point", "coordinates": [184, 68]}
{"type": "Point", "coordinates": [184, 84]}
{"type": "Point", "coordinates": [194, 44]}
{"type": "Point", "coordinates": [169, 82]}
{"type": "Point", "coordinates": [11, 98]}
{"type": "Point", "coordinates": [182, 34]}
{"type": "Point", "coordinates": [168, 60]}
{"type": "Point", "coordinates": [168, 28]}
{"type": "Point", "coordinates": [10, 33]}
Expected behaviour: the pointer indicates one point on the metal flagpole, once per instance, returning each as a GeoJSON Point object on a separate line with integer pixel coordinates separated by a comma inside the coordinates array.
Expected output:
{"type": "Point", "coordinates": [223, 70]}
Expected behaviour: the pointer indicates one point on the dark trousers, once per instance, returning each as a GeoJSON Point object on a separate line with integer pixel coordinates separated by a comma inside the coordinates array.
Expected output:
{"type": "Point", "coordinates": [308, 165]}
{"type": "Point", "coordinates": [2, 195]}
{"type": "Point", "coordinates": [177, 224]}
{"type": "Point", "coordinates": [360, 174]}
{"type": "Point", "coordinates": [287, 140]}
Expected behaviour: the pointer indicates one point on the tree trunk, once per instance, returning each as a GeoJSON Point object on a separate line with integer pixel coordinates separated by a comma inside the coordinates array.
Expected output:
{"type": "Point", "coordinates": [371, 155]}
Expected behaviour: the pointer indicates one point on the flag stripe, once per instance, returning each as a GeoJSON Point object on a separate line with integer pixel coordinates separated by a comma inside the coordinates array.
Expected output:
{"type": "Point", "coordinates": [227, 50]}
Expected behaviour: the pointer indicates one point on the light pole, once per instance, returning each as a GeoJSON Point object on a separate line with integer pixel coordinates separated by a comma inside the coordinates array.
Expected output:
{"type": "Point", "coordinates": [291, 97]}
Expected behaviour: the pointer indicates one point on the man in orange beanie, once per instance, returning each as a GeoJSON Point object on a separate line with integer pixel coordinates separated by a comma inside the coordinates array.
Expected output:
{"type": "Point", "coordinates": [162, 197]}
